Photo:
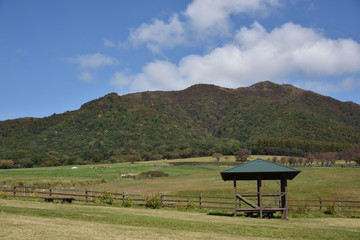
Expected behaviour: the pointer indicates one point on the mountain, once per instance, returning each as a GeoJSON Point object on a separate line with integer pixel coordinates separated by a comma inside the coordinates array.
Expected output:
{"type": "Point", "coordinates": [266, 117]}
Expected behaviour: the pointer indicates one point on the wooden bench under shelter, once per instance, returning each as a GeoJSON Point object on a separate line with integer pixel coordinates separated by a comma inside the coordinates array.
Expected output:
{"type": "Point", "coordinates": [260, 170]}
{"type": "Point", "coordinates": [63, 199]}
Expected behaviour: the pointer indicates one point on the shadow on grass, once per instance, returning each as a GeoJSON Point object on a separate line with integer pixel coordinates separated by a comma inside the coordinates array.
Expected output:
{"type": "Point", "coordinates": [221, 214]}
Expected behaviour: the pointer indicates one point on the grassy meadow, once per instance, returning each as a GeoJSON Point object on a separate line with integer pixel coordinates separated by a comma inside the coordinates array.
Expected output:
{"type": "Point", "coordinates": [35, 219]}
{"type": "Point", "coordinates": [38, 220]}
{"type": "Point", "coordinates": [311, 183]}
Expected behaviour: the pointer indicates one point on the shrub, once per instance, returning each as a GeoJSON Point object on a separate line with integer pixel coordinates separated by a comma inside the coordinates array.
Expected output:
{"type": "Point", "coordinates": [20, 183]}
{"type": "Point", "coordinates": [242, 155]}
{"type": "Point", "coordinates": [299, 210]}
{"type": "Point", "coordinates": [153, 201]}
{"type": "Point", "coordinates": [133, 158]}
{"type": "Point", "coordinates": [331, 208]}
{"type": "Point", "coordinates": [6, 164]}
{"type": "Point", "coordinates": [151, 174]}
{"type": "Point", "coordinates": [292, 161]}
{"type": "Point", "coordinates": [190, 205]}
{"type": "Point", "coordinates": [107, 198]}
{"type": "Point", "coordinates": [217, 156]}
{"type": "Point", "coordinates": [3, 194]}
{"type": "Point", "coordinates": [127, 202]}
{"type": "Point", "coordinates": [33, 195]}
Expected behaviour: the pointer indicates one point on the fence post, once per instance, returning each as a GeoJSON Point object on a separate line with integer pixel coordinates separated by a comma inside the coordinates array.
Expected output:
{"type": "Point", "coordinates": [14, 191]}
{"type": "Point", "coordinates": [50, 192]}
{"type": "Point", "coordinates": [162, 199]}
{"type": "Point", "coordinates": [86, 195]}
{"type": "Point", "coordinates": [339, 205]}
{"type": "Point", "coordinates": [24, 190]}
{"type": "Point", "coordinates": [320, 204]}
{"type": "Point", "coordinates": [200, 200]}
{"type": "Point", "coordinates": [91, 194]}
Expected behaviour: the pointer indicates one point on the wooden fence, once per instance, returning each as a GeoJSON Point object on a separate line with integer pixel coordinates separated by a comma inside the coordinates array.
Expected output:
{"type": "Point", "coordinates": [322, 204]}
{"type": "Point", "coordinates": [187, 201]}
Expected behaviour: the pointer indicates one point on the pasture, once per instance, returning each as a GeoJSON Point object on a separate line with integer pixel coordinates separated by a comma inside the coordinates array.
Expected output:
{"type": "Point", "coordinates": [38, 220]}
{"type": "Point", "coordinates": [35, 219]}
{"type": "Point", "coordinates": [311, 183]}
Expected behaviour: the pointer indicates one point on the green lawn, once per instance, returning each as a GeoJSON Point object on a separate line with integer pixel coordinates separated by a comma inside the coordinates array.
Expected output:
{"type": "Point", "coordinates": [39, 220]}
{"type": "Point", "coordinates": [311, 183]}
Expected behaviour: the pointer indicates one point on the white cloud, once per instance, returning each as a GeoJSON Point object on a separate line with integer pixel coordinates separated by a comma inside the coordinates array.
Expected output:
{"type": "Point", "coordinates": [120, 79]}
{"type": "Point", "coordinates": [159, 34]}
{"type": "Point", "coordinates": [328, 57]}
{"type": "Point", "coordinates": [293, 48]}
{"type": "Point", "coordinates": [257, 55]}
{"type": "Point", "coordinates": [202, 18]}
{"type": "Point", "coordinates": [90, 61]}
{"type": "Point", "coordinates": [215, 14]}
{"type": "Point", "coordinates": [157, 75]}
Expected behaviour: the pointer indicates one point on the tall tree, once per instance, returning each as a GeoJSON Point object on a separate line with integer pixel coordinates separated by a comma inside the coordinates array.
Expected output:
{"type": "Point", "coordinates": [217, 156]}
{"type": "Point", "coordinates": [242, 155]}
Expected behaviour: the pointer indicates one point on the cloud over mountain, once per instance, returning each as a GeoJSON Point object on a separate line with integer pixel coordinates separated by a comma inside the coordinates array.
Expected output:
{"type": "Point", "coordinates": [254, 54]}
{"type": "Point", "coordinates": [88, 62]}
{"type": "Point", "coordinates": [201, 19]}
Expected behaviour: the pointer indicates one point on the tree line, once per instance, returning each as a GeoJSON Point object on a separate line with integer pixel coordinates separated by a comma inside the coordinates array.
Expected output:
{"type": "Point", "coordinates": [328, 154]}
{"type": "Point", "coordinates": [296, 147]}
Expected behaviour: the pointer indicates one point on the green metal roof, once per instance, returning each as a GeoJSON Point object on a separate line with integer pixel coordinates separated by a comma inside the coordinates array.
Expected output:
{"type": "Point", "coordinates": [259, 168]}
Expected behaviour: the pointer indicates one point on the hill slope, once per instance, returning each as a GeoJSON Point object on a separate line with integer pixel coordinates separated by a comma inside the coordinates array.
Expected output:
{"type": "Point", "coordinates": [266, 117]}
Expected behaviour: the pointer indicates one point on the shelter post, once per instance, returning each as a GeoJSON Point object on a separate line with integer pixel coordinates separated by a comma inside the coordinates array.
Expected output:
{"type": "Point", "coordinates": [235, 199]}
{"type": "Point", "coordinates": [284, 203]}
{"type": "Point", "coordinates": [259, 195]}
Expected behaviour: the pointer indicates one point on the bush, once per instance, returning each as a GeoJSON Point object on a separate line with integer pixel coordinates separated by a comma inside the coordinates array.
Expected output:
{"type": "Point", "coordinates": [33, 195]}
{"type": "Point", "coordinates": [151, 174]}
{"type": "Point", "coordinates": [103, 180]}
{"type": "Point", "coordinates": [331, 208]}
{"type": "Point", "coordinates": [3, 194]}
{"type": "Point", "coordinates": [5, 164]}
{"type": "Point", "coordinates": [154, 201]}
{"type": "Point", "coordinates": [106, 197]}
{"type": "Point", "coordinates": [299, 210]}
{"type": "Point", "coordinates": [190, 205]}
{"type": "Point", "coordinates": [242, 155]}
{"type": "Point", "coordinates": [217, 156]}
{"type": "Point", "coordinates": [127, 202]}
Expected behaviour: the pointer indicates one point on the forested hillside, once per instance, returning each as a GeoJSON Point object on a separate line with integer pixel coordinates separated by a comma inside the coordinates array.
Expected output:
{"type": "Point", "coordinates": [267, 118]}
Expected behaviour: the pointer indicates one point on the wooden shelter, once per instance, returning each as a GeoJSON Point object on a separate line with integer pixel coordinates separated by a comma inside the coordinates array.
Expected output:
{"type": "Point", "coordinates": [259, 170]}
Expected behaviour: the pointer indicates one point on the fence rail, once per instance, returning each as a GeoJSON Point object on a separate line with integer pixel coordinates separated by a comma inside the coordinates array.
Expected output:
{"type": "Point", "coordinates": [195, 201]}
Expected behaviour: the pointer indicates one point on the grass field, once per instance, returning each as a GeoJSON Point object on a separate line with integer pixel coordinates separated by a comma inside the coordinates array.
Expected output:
{"type": "Point", "coordinates": [38, 220]}
{"type": "Point", "coordinates": [311, 183]}
{"type": "Point", "coordinates": [33, 219]}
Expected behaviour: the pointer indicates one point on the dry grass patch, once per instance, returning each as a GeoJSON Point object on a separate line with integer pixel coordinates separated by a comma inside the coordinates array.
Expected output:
{"type": "Point", "coordinates": [39, 228]}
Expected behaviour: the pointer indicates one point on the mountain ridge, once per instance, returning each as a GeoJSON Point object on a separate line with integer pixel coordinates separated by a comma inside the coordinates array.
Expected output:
{"type": "Point", "coordinates": [195, 121]}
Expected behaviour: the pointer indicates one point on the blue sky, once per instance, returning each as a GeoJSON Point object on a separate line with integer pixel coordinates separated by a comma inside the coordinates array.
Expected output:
{"type": "Point", "coordinates": [56, 55]}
